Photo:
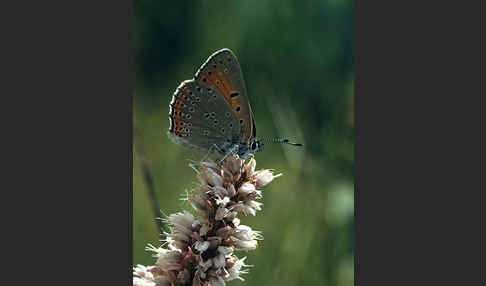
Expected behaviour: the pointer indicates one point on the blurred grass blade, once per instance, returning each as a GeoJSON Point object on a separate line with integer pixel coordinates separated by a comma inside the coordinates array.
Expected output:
{"type": "Point", "coordinates": [148, 179]}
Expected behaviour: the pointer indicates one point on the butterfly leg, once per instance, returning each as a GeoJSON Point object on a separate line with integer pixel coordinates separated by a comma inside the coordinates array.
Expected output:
{"type": "Point", "coordinates": [193, 164]}
{"type": "Point", "coordinates": [250, 156]}
{"type": "Point", "coordinates": [233, 150]}
{"type": "Point", "coordinates": [210, 150]}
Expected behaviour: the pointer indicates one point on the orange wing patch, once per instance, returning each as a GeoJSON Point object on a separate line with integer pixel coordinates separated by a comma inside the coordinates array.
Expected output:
{"type": "Point", "coordinates": [217, 79]}
{"type": "Point", "coordinates": [225, 86]}
{"type": "Point", "coordinates": [176, 112]}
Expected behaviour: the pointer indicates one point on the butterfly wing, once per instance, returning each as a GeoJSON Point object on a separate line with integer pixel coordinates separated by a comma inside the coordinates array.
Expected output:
{"type": "Point", "coordinates": [201, 118]}
{"type": "Point", "coordinates": [222, 72]}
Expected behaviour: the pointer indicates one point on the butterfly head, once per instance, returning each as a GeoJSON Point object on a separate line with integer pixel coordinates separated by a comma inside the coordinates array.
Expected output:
{"type": "Point", "coordinates": [255, 145]}
{"type": "Point", "coordinates": [247, 150]}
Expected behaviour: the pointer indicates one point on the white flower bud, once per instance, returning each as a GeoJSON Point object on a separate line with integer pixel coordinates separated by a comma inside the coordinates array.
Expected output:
{"type": "Point", "coordinates": [264, 177]}
{"type": "Point", "coordinates": [219, 261]}
{"type": "Point", "coordinates": [236, 270]}
{"type": "Point", "coordinates": [245, 245]}
{"type": "Point", "coordinates": [182, 222]}
{"type": "Point", "coordinates": [199, 203]}
{"type": "Point", "coordinates": [201, 246]}
{"type": "Point", "coordinates": [241, 208]}
{"type": "Point", "coordinates": [225, 250]}
{"type": "Point", "coordinates": [213, 179]}
{"type": "Point", "coordinates": [244, 232]}
{"type": "Point", "coordinates": [255, 205]}
{"type": "Point", "coordinates": [223, 201]}
{"type": "Point", "coordinates": [221, 212]}
{"type": "Point", "coordinates": [143, 272]}
{"type": "Point", "coordinates": [246, 188]}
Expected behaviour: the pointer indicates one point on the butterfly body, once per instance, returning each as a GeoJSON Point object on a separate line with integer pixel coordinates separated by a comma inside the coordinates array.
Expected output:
{"type": "Point", "coordinates": [212, 111]}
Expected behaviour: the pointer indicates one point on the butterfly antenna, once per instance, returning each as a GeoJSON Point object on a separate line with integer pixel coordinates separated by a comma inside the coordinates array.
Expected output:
{"type": "Point", "coordinates": [283, 141]}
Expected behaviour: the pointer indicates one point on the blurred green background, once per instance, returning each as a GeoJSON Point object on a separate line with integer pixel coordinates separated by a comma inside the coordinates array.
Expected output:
{"type": "Point", "coordinates": [297, 60]}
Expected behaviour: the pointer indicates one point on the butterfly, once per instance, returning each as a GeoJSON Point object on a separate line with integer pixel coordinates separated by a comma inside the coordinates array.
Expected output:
{"type": "Point", "coordinates": [212, 112]}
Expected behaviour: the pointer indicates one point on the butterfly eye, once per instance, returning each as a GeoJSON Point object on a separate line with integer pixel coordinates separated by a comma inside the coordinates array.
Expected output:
{"type": "Point", "coordinates": [253, 146]}
{"type": "Point", "coordinates": [238, 108]}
